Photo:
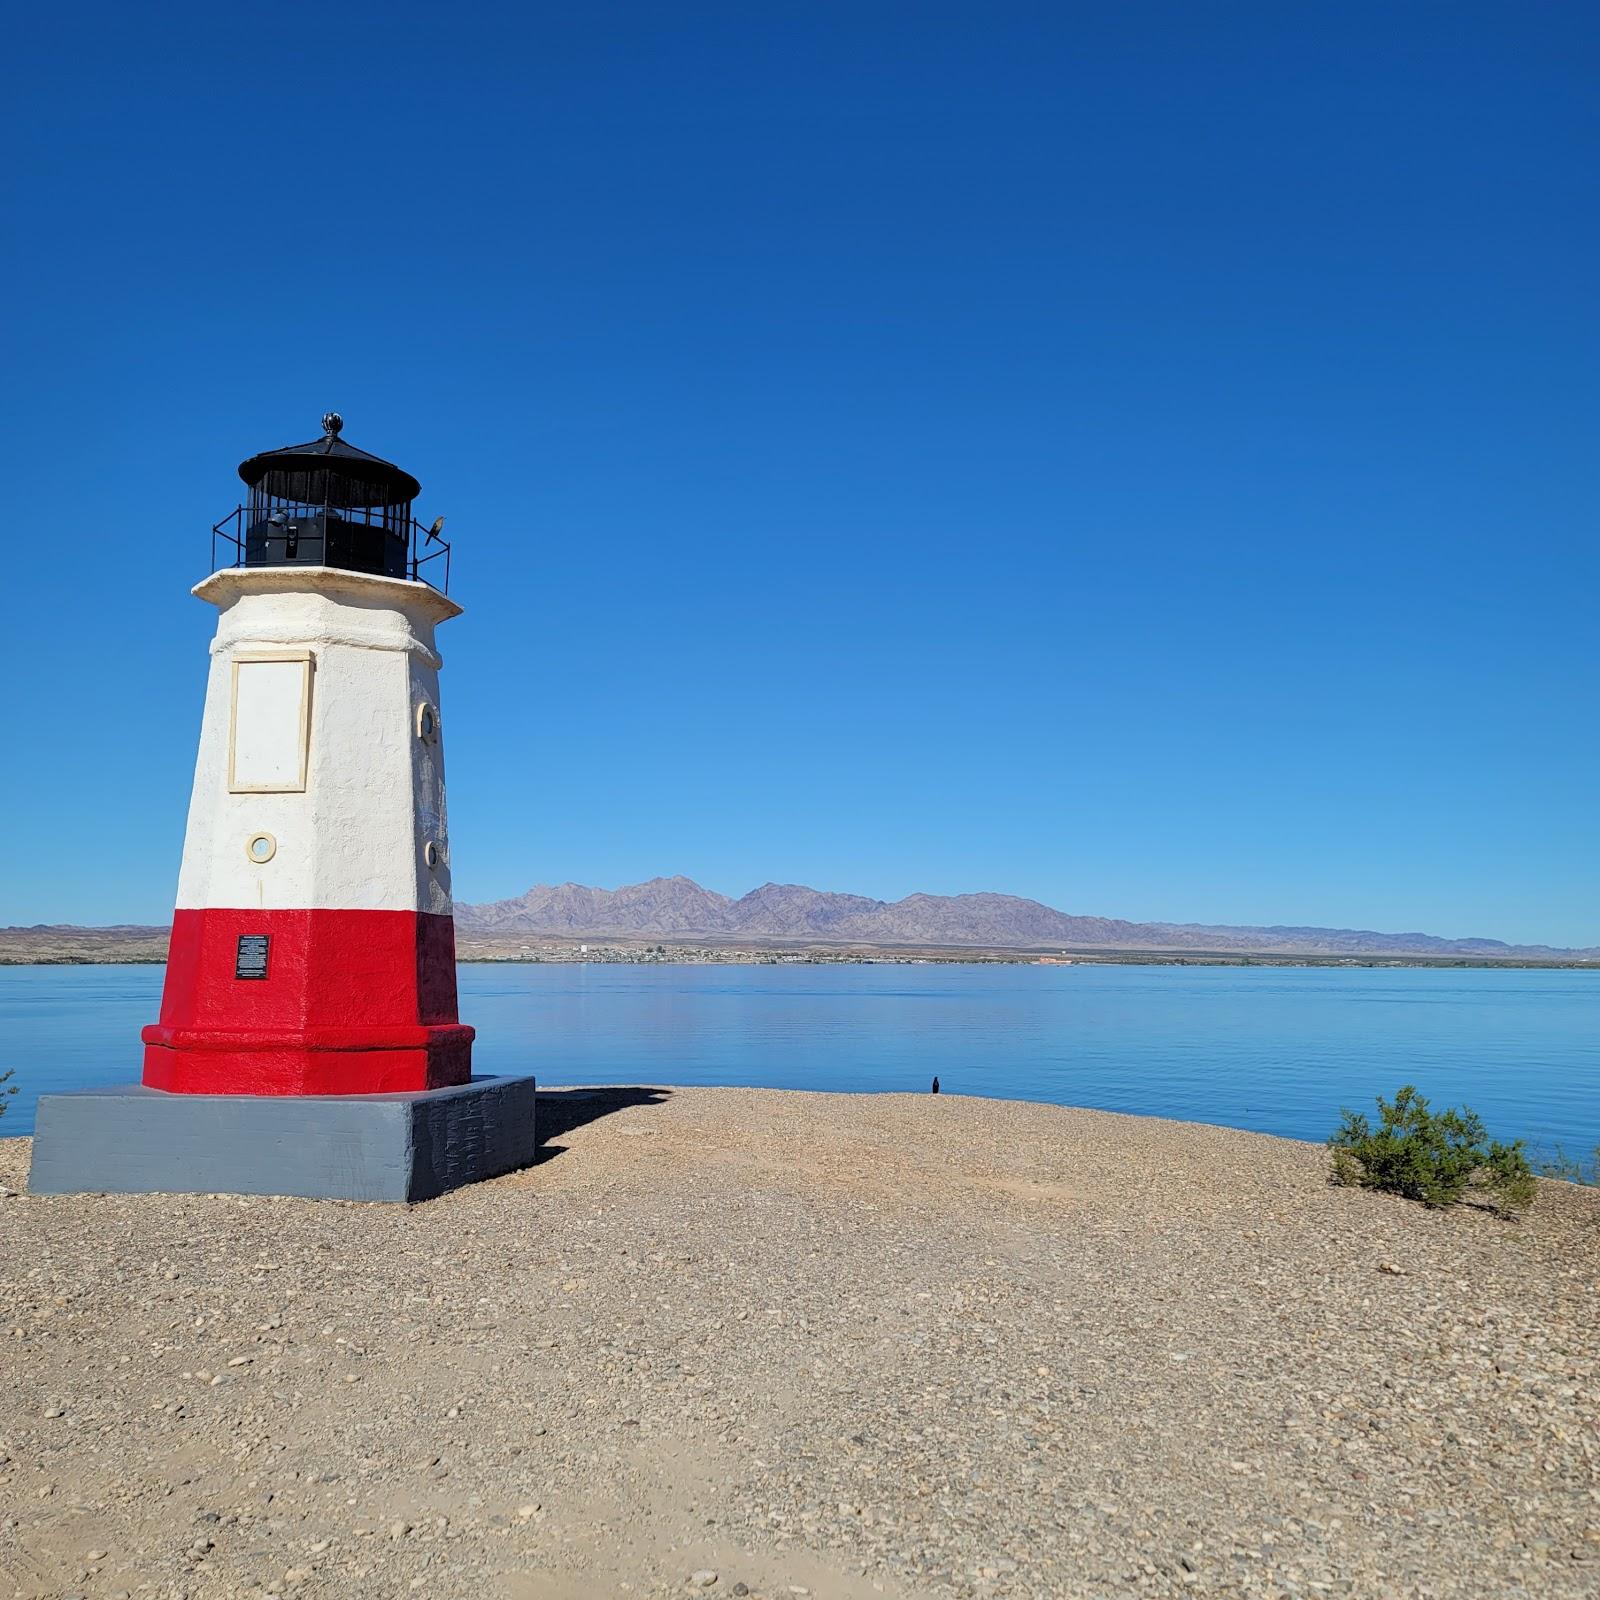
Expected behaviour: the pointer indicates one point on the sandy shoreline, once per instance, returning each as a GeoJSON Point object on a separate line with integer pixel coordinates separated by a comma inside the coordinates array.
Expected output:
{"type": "Point", "coordinates": [853, 1345]}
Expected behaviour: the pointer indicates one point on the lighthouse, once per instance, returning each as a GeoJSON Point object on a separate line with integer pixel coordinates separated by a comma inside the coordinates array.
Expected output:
{"type": "Point", "coordinates": [309, 1040]}
{"type": "Point", "coordinates": [313, 948]}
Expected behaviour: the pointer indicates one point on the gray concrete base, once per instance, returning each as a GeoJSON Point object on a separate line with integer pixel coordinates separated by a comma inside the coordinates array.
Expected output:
{"type": "Point", "coordinates": [132, 1140]}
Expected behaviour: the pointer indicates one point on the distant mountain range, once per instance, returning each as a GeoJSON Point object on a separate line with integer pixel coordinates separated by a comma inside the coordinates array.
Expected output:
{"type": "Point", "coordinates": [679, 908]}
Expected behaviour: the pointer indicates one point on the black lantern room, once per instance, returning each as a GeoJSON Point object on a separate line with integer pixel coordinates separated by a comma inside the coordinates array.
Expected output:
{"type": "Point", "coordinates": [328, 504]}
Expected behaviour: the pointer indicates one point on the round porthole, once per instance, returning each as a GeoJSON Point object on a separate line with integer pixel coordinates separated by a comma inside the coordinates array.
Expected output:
{"type": "Point", "coordinates": [261, 848]}
{"type": "Point", "coordinates": [431, 854]}
{"type": "Point", "coordinates": [427, 722]}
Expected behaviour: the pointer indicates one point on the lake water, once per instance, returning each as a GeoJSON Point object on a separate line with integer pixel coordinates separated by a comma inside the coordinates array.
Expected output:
{"type": "Point", "coordinates": [1274, 1049]}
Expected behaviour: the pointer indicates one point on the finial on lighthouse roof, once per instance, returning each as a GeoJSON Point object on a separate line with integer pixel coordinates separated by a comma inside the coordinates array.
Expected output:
{"type": "Point", "coordinates": [332, 424]}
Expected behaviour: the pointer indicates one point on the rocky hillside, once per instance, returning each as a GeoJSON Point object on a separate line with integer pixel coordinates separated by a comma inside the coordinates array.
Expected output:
{"type": "Point", "coordinates": [679, 907]}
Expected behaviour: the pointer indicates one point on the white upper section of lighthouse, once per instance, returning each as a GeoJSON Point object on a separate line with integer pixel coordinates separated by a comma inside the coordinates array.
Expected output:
{"type": "Point", "coordinates": [320, 779]}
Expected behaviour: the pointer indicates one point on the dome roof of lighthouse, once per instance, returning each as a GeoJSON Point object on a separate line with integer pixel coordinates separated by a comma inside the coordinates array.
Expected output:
{"type": "Point", "coordinates": [327, 471]}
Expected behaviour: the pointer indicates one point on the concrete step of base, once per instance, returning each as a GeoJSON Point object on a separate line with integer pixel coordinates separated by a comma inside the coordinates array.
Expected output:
{"type": "Point", "coordinates": [128, 1139]}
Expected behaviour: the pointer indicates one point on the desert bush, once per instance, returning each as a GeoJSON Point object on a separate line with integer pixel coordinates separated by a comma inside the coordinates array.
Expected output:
{"type": "Point", "coordinates": [1431, 1156]}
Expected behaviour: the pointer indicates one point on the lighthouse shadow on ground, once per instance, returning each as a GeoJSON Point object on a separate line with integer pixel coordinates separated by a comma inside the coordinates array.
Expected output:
{"type": "Point", "coordinates": [562, 1110]}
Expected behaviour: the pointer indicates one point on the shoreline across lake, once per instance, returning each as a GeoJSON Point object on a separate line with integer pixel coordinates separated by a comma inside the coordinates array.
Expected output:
{"type": "Point", "coordinates": [764, 1343]}
{"type": "Point", "coordinates": [67, 945]}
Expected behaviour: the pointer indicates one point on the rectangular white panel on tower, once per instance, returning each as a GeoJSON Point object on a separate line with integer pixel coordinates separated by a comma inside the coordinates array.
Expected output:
{"type": "Point", "coordinates": [271, 721]}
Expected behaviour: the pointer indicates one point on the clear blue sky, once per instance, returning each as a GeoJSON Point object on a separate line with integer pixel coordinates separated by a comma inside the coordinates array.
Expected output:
{"type": "Point", "coordinates": [1138, 456]}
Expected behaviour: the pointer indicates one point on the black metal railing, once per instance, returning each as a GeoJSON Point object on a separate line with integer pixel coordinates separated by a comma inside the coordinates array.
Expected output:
{"type": "Point", "coordinates": [230, 532]}
{"type": "Point", "coordinates": [231, 528]}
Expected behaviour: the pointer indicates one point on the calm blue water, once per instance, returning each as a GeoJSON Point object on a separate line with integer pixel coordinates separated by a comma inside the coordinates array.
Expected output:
{"type": "Point", "coordinates": [1279, 1050]}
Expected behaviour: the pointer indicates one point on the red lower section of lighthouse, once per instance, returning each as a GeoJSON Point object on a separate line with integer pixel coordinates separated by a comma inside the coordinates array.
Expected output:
{"type": "Point", "coordinates": [333, 1002]}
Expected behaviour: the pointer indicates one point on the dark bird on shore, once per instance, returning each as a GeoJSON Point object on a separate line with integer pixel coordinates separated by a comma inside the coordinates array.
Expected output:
{"type": "Point", "coordinates": [935, 1088]}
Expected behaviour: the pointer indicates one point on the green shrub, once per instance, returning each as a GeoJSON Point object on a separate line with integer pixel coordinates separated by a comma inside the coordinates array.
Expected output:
{"type": "Point", "coordinates": [1431, 1156]}
{"type": "Point", "coordinates": [5, 1093]}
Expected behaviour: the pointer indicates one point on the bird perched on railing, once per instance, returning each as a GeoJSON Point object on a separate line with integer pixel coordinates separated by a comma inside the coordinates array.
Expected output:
{"type": "Point", "coordinates": [433, 532]}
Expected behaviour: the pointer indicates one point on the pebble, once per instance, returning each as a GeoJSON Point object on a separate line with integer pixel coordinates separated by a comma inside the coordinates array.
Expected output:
{"type": "Point", "coordinates": [703, 1579]}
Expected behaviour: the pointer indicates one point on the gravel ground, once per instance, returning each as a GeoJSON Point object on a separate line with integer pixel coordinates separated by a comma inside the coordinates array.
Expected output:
{"type": "Point", "coordinates": [844, 1346]}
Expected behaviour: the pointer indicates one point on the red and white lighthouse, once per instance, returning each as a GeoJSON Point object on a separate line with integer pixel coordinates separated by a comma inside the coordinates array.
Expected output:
{"type": "Point", "coordinates": [308, 1041]}
{"type": "Point", "coordinates": [313, 946]}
